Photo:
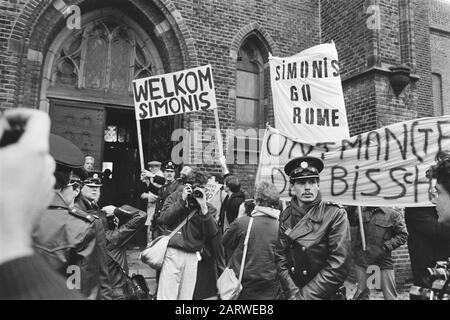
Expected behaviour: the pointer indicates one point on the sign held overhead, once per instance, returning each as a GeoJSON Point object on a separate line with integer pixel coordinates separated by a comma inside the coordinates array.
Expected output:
{"type": "Point", "coordinates": [174, 93]}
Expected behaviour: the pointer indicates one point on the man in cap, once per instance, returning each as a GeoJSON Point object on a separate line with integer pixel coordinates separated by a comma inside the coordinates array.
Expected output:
{"type": "Point", "coordinates": [67, 237]}
{"type": "Point", "coordinates": [90, 192]}
{"type": "Point", "coordinates": [119, 225]}
{"type": "Point", "coordinates": [314, 237]}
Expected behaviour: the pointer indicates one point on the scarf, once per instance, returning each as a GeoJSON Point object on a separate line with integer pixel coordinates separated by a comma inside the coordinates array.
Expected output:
{"type": "Point", "coordinates": [266, 211]}
{"type": "Point", "coordinates": [302, 208]}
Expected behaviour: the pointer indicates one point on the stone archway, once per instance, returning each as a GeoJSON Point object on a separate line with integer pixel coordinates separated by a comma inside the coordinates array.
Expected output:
{"type": "Point", "coordinates": [40, 21]}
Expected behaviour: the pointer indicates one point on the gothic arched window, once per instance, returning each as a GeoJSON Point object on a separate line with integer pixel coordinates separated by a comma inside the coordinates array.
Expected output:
{"type": "Point", "coordinates": [104, 56]}
{"type": "Point", "coordinates": [249, 86]}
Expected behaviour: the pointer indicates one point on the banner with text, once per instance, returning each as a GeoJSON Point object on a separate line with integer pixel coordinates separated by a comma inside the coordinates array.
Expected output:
{"type": "Point", "coordinates": [385, 167]}
{"type": "Point", "coordinates": [307, 94]}
{"type": "Point", "coordinates": [174, 93]}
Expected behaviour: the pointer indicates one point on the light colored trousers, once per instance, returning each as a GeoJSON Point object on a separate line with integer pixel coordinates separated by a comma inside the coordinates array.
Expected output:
{"type": "Point", "coordinates": [387, 281]}
{"type": "Point", "coordinates": [178, 275]}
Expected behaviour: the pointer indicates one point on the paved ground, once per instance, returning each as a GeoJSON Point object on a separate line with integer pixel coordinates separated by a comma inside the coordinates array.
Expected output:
{"type": "Point", "coordinates": [136, 266]}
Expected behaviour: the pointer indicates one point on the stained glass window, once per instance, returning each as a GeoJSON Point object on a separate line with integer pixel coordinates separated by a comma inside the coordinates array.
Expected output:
{"type": "Point", "coordinates": [102, 56]}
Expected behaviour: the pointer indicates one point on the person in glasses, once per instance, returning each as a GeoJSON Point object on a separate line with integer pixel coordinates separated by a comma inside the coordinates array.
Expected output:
{"type": "Point", "coordinates": [429, 227]}
{"type": "Point", "coordinates": [67, 237]}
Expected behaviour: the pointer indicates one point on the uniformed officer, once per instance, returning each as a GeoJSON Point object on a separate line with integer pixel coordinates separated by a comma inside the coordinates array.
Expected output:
{"type": "Point", "coordinates": [116, 237]}
{"type": "Point", "coordinates": [68, 237]}
{"type": "Point", "coordinates": [314, 237]}
{"type": "Point", "coordinates": [171, 185]}
{"type": "Point", "coordinates": [90, 192]}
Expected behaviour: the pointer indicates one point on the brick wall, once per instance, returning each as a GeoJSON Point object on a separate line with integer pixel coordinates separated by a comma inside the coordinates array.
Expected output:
{"type": "Point", "coordinates": [365, 55]}
{"type": "Point", "coordinates": [219, 28]}
{"type": "Point", "coordinates": [211, 32]}
{"type": "Point", "coordinates": [440, 46]}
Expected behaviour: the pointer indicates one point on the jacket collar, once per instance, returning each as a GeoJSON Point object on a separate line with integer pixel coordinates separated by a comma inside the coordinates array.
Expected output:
{"type": "Point", "coordinates": [260, 211]}
{"type": "Point", "coordinates": [58, 202]}
{"type": "Point", "coordinates": [315, 215]}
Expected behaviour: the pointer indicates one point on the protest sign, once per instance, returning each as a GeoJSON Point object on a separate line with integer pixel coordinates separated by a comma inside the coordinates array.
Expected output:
{"type": "Point", "coordinates": [384, 167]}
{"type": "Point", "coordinates": [211, 189]}
{"type": "Point", "coordinates": [174, 93]}
{"type": "Point", "coordinates": [307, 94]}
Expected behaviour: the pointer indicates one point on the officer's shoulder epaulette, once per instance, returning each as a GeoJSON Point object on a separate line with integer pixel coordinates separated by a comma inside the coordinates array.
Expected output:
{"type": "Point", "coordinates": [340, 206]}
{"type": "Point", "coordinates": [81, 214]}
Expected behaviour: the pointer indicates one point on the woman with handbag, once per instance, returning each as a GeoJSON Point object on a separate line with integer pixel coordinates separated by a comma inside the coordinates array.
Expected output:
{"type": "Point", "coordinates": [259, 277]}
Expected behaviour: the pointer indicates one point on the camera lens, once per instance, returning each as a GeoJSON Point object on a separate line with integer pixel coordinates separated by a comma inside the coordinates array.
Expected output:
{"type": "Point", "coordinates": [198, 194]}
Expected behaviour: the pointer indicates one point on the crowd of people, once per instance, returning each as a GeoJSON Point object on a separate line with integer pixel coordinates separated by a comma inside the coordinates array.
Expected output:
{"type": "Point", "coordinates": [56, 225]}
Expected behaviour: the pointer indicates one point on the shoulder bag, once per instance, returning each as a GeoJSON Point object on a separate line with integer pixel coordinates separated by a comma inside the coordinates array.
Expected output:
{"type": "Point", "coordinates": [228, 284]}
{"type": "Point", "coordinates": [154, 254]}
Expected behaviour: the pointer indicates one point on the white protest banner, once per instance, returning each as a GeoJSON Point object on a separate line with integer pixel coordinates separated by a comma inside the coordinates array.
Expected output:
{"type": "Point", "coordinates": [384, 167]}
{"type": "Point", "coordinates": [174, 93]}
{"type": "Point", "coordinates": [211, 189]}
{"type": "Point", "coordinates": [307, 94]}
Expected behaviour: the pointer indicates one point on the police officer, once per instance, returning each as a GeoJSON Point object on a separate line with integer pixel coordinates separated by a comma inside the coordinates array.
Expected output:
{"type": "Point", "coordinates": [68, 237]}
{"type": "Point", "coordinates": [117, 235]}
{"type": "Point", "coordinates": [314, 237]}
{"type": "Point", "coordinates": [90, 192]}
{"type": "Point", "coordinates": [172, 185]}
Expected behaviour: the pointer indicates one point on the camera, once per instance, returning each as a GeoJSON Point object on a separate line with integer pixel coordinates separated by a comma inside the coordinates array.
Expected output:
{"type": "Point", "coordinates": [436, 282]}
{"type": "Point", "coordinates": [196, 193]}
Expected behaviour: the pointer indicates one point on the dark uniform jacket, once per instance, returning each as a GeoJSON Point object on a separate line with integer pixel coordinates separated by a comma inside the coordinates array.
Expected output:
{"type": "Point", "coordinates": [164, 192]}
{"type": "Point", "coordinates": [116, 240]}
{"type": "Point", "coordinates": [384, 231]}
{"type": "Point", "coordinates": [428, 240]}
{"type": "Point", "coordinates": [31, 278]}
{"type": "Point", "coordinates": [67, 237]}
{"type": "Point", "coordinates": [230, 208]}
{"type": "Point", "coordinates": [92, 208]}
{"type": "Point", "coordinates": [313, 250]}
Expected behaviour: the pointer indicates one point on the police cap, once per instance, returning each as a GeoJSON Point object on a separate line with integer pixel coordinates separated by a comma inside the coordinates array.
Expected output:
{"type": "Point", "coordinates": [65, 152]}
{"type": "Point", "coordinates": [94, 179]}
{"type": "Point", "coordinates": [168, 165]}
{"type": "Point", "coordinates": [303, 168]}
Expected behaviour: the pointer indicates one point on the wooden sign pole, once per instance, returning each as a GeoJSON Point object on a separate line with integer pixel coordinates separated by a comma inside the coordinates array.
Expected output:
{"type": "Point", "coordinates": [361, 228]}
{"type": "Point", "coordinates": [141, 149]}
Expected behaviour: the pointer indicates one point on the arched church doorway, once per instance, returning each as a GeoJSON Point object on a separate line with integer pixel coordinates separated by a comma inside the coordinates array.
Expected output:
{"type": "Point", "coordinates": [87, 82]}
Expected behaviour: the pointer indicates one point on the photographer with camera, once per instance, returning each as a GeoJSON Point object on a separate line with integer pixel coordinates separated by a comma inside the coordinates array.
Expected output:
{"type": "Point", "coordinates": [179, 271]}
{"type": "Point", "coordinates": [431, 230]}
{"type": "Point", "coordinates": [119, 225]}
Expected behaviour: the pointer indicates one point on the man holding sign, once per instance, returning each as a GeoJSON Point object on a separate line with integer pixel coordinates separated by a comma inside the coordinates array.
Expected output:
{"type": "Point", "coordinates": [313, 247]}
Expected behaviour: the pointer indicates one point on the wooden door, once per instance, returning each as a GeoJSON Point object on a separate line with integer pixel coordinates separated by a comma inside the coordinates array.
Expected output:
{"type": "Point", "coordinates": [82, 124]}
